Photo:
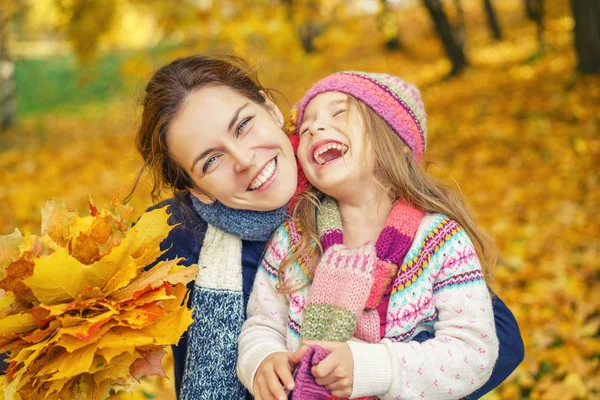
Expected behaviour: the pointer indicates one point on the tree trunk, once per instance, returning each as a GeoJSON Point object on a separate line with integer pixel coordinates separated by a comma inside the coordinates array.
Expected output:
{"type": "Point", "coordinates": [388, 26]}
{"type": "Point", "coordinates": [529, 9]}
{"type": "Point", "coordinates": [459, 28]}
{"type": "Point", "coordinates": [587, 34]}
{"type": "Point", "coordinates": [8, 104]}
{"type": "Point", "coordinates": [308, 32]}
{"type": "Point", "coordinates": [535, 12]}
{"type": "Point", "coordinates": [308, 28]}
{"type": "Point", "coordinates": [453, 50]}
{"type": "Point", "coordinates": [492, 20]}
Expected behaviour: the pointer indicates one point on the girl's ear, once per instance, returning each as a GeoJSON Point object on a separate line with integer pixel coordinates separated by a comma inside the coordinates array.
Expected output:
{"type": "Point", "coordinates": [201, 196]}
{"type": "Point", "coordinates": [273, 109]}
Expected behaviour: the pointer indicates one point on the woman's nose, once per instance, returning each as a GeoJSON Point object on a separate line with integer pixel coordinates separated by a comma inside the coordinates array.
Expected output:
{"type": "Point", "coordinates": [243, 159]}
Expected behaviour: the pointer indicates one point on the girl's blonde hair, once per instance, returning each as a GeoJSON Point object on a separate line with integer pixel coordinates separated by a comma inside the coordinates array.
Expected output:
{"type": "Point", "coordinates": [403, 177]}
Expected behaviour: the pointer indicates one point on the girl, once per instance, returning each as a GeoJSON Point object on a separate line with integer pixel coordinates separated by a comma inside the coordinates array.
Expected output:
{"type": "Point", "coordinates": [379, 252]}
{"type": "Point", "coordinates": [210, 137]}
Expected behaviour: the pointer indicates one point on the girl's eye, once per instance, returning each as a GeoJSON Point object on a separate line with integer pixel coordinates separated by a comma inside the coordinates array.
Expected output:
{"type": "Point", "coordinates": [242, 125]}
{"type": "Point", "coordinates": [335, 114]}
{"type": "Point", "coordinates": [303, 131]}
{"type": "Point", "coordinates": [208, 163]}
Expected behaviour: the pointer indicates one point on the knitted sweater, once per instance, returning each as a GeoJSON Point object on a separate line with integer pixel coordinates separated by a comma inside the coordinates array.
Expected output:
{"type": "Point", "coordinates": [439, 288]}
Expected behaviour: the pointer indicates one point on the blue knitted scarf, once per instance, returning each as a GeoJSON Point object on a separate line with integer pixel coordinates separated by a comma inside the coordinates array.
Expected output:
{"type": "Point", "coordinates": [245, 224]}
{"type": "Point", "coordinates": [218, 301]}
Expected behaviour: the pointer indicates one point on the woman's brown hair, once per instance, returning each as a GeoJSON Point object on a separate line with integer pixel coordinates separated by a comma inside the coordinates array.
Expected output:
{"type": "Point", "coordinates": [165, 94]}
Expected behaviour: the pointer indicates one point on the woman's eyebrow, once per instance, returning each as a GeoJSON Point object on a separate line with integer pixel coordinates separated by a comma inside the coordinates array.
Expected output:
{"type": "Point", "coordinates": [200, 157]}
{"type": "Point", "coordinates": [235, 116]}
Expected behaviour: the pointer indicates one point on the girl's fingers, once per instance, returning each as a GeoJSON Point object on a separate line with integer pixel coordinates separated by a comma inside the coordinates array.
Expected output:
{"type": "Point", "coordinates": [326, 345]}
{"type": "Point", "coordinates": [340, 384]}
{"type": "Point", "coordinates": [327, 380]}
{"type": "Point", "coordinates": [256, 391]}
{"type": "Point", "coordinates": [274, 387]}
{"type": "Point", "coordinates": [344, 393]}
{"type": "Point", "coordinates": [259, 392]}
{"type": "Point", "coordinates": [295, 357]}
{"type": "Point", "coordinates": [282, 369]}
{"type": "Point", "coordinates": [325, 367]}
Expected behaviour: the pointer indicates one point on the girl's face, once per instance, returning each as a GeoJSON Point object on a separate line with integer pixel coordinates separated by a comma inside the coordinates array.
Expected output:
{"type": "Point", "coordinates": [234, 150]}
{"type": "Point", "coordinates": [333, 151]}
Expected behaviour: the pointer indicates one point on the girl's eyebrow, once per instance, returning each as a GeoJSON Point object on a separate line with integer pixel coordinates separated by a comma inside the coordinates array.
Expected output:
{"type": "Point", "coordinates": [339, 101]}
{"type": "Point", "coordinates": [332, 103]}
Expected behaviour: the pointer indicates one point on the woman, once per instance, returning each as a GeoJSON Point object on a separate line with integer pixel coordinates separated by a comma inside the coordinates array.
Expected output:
{"type": "Point", "coordinates": [211, 135]}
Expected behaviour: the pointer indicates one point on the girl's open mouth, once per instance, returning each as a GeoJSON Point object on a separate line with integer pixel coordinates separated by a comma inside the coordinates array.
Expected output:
{"type": "Point", "coordinates": [329, 152]}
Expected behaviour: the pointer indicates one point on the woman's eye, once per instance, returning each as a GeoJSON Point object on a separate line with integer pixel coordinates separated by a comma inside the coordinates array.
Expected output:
{"type": "Point", "coordinates": [208, 163]}
{"type": "Point", "coordinates": [242, 125]}
{"type": "Point", "coordinates": [335, 114]}
{"type": "Point", "coordinates": [303, 131]}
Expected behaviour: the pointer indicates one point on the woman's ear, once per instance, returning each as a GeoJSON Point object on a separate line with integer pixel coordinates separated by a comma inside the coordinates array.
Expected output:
{"type": "Point", "coordinates": [273, 109]}
{"type": "Point", "coordinates": [201, 196]}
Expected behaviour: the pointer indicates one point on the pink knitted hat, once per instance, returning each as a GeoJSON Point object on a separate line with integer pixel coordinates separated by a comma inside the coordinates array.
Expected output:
{"type": "Point", "coordinates": [397, 102]}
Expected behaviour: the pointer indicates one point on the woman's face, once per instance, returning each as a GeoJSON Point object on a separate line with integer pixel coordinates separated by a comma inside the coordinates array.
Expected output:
{"type": "Point", "coordinates": [234, 149]}
{"type": "Point", "coordinates": [333, 152]}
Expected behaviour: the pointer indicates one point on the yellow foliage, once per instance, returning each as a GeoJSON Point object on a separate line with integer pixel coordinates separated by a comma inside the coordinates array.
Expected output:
{"type": "Point", "coordinates": [93, 321]}
{"type": "Point", "coordinates": [521, 136]}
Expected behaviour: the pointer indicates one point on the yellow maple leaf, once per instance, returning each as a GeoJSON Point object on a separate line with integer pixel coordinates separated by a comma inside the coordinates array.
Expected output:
{"type": "Point", "coordinates": [57, 221]}
{"type": "Point", "coordinates": [17, 323]}
{"type": "Point", "coordinates": [152, 278]}
{"type": "Point", "coordinates": [10, 249]}
{"type": "Point", "coordinates": [69, 365]}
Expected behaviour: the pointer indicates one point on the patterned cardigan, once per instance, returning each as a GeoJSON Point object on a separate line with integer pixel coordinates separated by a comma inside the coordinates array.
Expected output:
{"type": "Point", "coordinates": [439, 288]}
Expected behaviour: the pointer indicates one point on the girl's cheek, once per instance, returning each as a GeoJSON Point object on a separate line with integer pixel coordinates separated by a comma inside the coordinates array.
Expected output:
{"type": "Point", "coordinates": [302, 157]}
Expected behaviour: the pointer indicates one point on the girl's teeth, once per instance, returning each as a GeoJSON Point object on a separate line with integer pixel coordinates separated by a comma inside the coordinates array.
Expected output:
{"type": "Point", "coordinates": [317, 154]}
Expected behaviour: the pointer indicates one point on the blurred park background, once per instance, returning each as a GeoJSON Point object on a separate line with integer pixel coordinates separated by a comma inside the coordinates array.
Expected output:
{"type": "Point", "coordinates": [512, 90]}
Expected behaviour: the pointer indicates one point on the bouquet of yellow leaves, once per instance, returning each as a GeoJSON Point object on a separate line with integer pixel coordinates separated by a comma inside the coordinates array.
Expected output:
{"type": "Point", "coordinates": [80, 316]}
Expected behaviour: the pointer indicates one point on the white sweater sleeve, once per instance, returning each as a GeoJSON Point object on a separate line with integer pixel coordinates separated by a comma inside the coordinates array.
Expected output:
{"type": "Point", "coordinates": [265, 329]}
{"type": "Point", "coordinates": [461, 356]}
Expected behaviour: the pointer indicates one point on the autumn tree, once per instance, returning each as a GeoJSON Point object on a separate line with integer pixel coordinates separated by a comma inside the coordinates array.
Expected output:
{"type": "Point", "coordinates": [535, 12]}
{"type": "Point", "coordinates": [587, 34]}
{"type": "Point", "coordinates": [8, 101]}
{"type": "Point", "coordinates": [88, 20]}
{"type": "Point", "coordinates": [492, 19]}
{"type": "Point", "coordinates": [304, 15]}
{"type": "Point", "coordinates": [388, 25]}
{"type": "Point", "coordinates": [452, 46]}
{"type": "Point", "coordinates": [459, 28]}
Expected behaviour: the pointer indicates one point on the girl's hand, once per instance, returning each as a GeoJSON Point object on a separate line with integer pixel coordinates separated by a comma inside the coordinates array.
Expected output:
{"type": "Point", "coordinates": [275, 373]}
{"type": "Point", "coordinates": [336, 371]}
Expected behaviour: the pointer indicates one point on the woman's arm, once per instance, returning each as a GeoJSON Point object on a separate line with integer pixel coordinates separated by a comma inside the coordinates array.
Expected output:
{"type": "Point", "coordinates": [265, 329]}
{"type": "Point", "coordinates": [461, 356]}
{"type": "Point", "coordinates": [511, 349]}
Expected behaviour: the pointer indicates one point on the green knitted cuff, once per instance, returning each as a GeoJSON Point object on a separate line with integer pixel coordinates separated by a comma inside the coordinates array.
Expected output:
{"type": "Point", "coordinates": [327, 322]}
{"type": "Point", "coordinates": [329, 217]}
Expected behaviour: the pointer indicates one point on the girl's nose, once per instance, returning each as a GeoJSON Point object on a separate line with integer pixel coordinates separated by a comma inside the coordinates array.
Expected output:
{"type": "Point", "coordinates": [316, 127]}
